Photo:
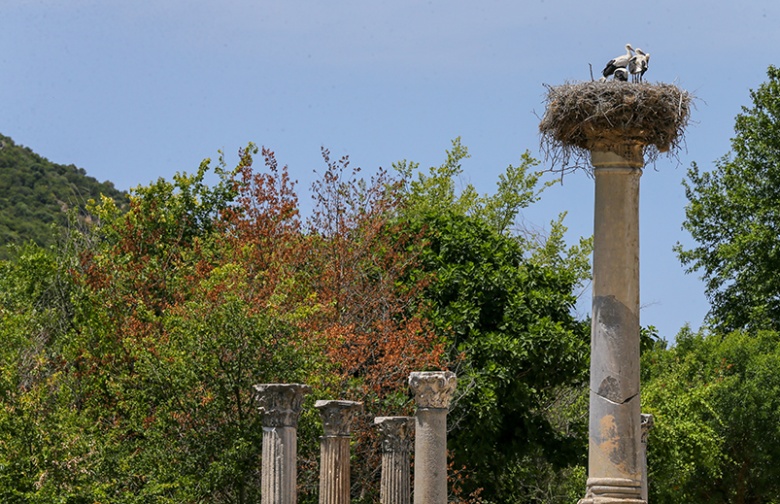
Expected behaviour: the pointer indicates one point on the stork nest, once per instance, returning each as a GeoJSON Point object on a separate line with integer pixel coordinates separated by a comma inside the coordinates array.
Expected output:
{"type": "Point", "coordinates": [613, 116]}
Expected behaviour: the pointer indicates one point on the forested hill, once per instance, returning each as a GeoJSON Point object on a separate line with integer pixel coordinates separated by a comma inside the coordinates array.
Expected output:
{"type": "Point", "coordinates": [34, 193]}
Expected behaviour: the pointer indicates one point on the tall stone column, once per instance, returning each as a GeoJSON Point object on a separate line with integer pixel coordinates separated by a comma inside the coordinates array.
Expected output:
{"type": "Point", "coordinates": [395, 433]}
{"type": "Point", "coordinates": [617, 123]}
{"type": "Point", "coordinates": [614, 465]}
{"type": "Point", "coordinates": [280, 405]}
{"type": "Point", "coordinates": [432, 393]}
{"type": "Point", "coordinates": [646, 424]}
{"type": "Point", "coordinates": [334, 449]}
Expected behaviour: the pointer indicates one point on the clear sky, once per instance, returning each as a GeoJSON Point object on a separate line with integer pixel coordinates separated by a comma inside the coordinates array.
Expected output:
{"type": "Point", "coordinates": [136, 90]}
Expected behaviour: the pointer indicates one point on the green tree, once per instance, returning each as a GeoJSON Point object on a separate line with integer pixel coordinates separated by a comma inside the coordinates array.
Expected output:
{"type": "Point", "coordinates": [504, 301]}
{"type": "Point", "coordinates": [41, 437]}
{"type": "Point", "coordinates": [132, 349]}
{"type": "Point", "coordinates": [733, 216]}
{"type": "Point", "coordinates": [168, 313]}
{"type": "Point", "coordinates": [715, 401]}
{"type": "Point", "coordinates": [188, 325]}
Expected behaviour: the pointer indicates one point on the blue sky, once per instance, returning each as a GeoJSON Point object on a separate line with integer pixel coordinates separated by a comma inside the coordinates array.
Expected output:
{"type": "Point", "coordinates": [133, 91]}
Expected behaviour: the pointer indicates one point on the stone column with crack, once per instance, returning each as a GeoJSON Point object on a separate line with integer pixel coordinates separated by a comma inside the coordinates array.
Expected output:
{"type": "Point", "coordinates": [615, 124]}
{"type": "Point", "coordinates": [614, 467]}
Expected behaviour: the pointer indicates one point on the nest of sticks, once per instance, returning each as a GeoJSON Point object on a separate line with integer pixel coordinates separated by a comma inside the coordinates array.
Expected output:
{"type": "Point", "coordinates": [613, 116]}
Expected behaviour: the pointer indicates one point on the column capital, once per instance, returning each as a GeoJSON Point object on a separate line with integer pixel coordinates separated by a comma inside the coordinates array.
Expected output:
{"type": "Point", "coordinates": [433, 389]}
{"type": "Point", "coordinates": [337, 416]}
{"type": "Point", "coordinates": [280, 403]}
{"type": "Point", "coordinates": [395, 433]}
{"type": "Point", "coordinates": [626, 155]}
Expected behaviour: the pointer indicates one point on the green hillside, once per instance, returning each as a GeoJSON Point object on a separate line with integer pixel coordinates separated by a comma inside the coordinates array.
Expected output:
{"type": "Point", "coordinates": [36, 193]}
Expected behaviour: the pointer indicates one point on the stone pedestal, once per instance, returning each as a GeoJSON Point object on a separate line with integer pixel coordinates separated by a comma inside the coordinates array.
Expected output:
{"type": "Point", "coordinates": [280, 404]}
{"type": "Point", "coordinates": [334, 449]}
{"type": "Point", "coordinates": [432, 393]}
{"type": "Point", "coordinates": [646, 424]}
{"type": "Point", "coordinates": [395, 433]}
{"type": "Point", "coordinates": [614, 462]}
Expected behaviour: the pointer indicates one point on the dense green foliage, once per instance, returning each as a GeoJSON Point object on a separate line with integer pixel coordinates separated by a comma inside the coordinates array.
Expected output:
{"type": "Point", "coordinates": [504, 301]}
{"type": "Point", "coordinates": [131, 346]}
{"type": "Point", "coordinates": [511, 321]}
{"type": "Point", "coordinates": [127, 378]}
{"type": "Point", "coordinates": [716, 401]}
{"type": "Point", "coordinates": [733, 216]}
{"type": "Point", "coordinates": [36, 194]}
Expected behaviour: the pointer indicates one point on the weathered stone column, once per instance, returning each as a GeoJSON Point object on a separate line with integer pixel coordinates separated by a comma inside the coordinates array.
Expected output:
{"type": "Point", "coordinates": [280, 404]}
{"type": "Point", "coordinates": [334, 449]}
{"type": "Point", "coordinates": [395, 433]}
{"type": "Point", "coordinates": [646, 424]}
{"type": "Point", "coordinates": [616, 123]}
{"type": "Point", "coordinates": [614, 466]}
{"type": "Point", "coordinates": [432, 393]}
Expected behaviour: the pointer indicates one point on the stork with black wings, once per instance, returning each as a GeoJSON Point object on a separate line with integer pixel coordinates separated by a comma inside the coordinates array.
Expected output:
{"type": "Point", "coordinates": [618, 62]}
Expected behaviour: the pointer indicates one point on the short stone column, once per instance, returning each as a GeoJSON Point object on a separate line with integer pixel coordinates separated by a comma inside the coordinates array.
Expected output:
{"type": "Point", "coordinates": [432, 393]}
{"type": "Point", "coordinates": [646, 424]}
{"type": "Point", "coordinates": [614, 467]}
{"type": "Point", "coordinates": [395, 434]}
{"type": "Point", "coordinates": [280, 405]}
{"type": "Point", "coordinates": [334, 449]}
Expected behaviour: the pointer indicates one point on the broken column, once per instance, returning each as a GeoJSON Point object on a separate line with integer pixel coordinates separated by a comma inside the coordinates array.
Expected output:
{"type": "Point", "coordinates": [395, 434]}
{"type": "Point", "coordinates": [614, 124]}
{"type": "Point", "coordinates": [614, 467]}
{"type": "Point", "coordinates": [280, 404]}
{"type": "Point", "coordinates": [334, 449]}
{"type": "Point", "coordinates": [646, 423]}
{"type": "Point", "coordinates": [432, 393]}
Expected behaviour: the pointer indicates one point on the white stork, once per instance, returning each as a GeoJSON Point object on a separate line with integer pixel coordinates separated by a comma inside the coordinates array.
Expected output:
{"type": "Point", "coordinates": [638, 64]}
{"type": "Point", "coordinates": [615, 63]}
{"type": "Point", "coordinates": [621, 74]}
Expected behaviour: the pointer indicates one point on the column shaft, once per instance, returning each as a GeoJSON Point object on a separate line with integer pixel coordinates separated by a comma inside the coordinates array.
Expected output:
{"type": "Point", "coordinates": [395, 486]}
{"type": "Point", "coordinates": [395, 435]}
{"type": "Point", "coordinates": [334, 470]}
{"type": "Point", "coordinates": [614, 470]}
{"type": "Point", "coordinates": [430, 456]}
{"type": "Point", "coordinates": [279, 474]}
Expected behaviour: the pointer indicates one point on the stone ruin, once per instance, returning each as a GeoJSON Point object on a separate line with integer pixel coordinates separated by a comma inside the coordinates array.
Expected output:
{"type": "Point", "coordinates": [280, 404]}
{"type": "Point", "coordinates": [617, 125]}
